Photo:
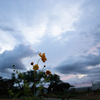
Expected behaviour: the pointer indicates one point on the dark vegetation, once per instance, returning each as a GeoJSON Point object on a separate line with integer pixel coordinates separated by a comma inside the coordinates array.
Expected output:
{"type": "Point", "coordinates": [56, 89]}
{"type": "Point", "coordinates": [56, 84]}
{"type": "Point", "coordinates": [87, 95]}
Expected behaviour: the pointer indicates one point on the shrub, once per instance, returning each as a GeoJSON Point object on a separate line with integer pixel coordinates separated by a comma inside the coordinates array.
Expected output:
{"type": "Point", "coordinates": [4, 96]}
{"type": "Point", "coordinates": [72, 95]}
{"type": "Point", "coordinates": [59, 96]}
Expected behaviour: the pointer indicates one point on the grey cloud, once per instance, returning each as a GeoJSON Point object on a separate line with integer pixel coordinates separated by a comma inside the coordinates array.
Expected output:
{"type": "Point", "coordinates": [15, 33]}
{"type": "Point", "coordinates": [5, 28]}
{"type": "Point", "coordinates": [79, 64]}
{"type": "Point", "coordinates": [84, 80]}
{"type": "Point", "coordinates": [96, 34]}
{"type": "Point", "coordinates": [14, 57]}
{"type": "Point", "coordinates": [89, 21]}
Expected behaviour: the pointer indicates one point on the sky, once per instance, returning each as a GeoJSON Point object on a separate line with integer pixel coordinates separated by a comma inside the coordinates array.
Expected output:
{"type": "Point", "coordinates": [67, 31]}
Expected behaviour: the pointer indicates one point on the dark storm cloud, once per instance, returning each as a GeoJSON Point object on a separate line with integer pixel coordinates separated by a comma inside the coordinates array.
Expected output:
{"type": "Point", "coordinates": [14, 57]}
{"type": "Point", "coordinates": [79, 64]}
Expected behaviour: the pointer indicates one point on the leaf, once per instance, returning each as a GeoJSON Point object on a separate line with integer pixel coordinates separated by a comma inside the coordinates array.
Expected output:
{"type": "Point", "coordinates": [10, 92]}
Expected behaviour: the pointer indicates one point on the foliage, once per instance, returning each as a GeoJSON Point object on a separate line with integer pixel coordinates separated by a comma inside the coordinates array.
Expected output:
{"type": "Point", "coordinates": [59, 96]}
{"type": "Point", "coordinates": [58, 87]}
{"type": "Point", "coordinates": [72, 95]}
{"type": "Point", "coordinates": [27, 93]}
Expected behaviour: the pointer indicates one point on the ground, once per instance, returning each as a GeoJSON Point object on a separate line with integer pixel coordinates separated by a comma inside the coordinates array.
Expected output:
{"type": "Point", "coordinates": [90, 96]}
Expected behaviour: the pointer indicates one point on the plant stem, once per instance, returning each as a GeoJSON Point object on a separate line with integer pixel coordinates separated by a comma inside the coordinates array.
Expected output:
{"type": "Point", "coordinates": [34, 84]}
{"type": "Point", "coordinates": [38, 61]}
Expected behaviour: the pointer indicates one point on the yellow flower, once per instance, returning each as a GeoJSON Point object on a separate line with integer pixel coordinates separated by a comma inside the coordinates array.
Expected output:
{"type": "Point", "coordinates": [43, 58]}
{"type": "Point", "coordinates": [36, 67]}
{"type": "Point", "coordinates": [48, 72]}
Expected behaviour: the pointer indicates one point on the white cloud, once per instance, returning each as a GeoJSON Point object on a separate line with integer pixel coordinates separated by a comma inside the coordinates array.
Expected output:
{"type": "Point", "coordinates": [32, 34]}
{"type": "Point", "coordinates": [56, 22]}
{"type": "Point", "coordinates": [63, 19]}
{"type": "Point", "coordinates": [82, 75]}
{"type": "Point", "coordinates": [93, 67]}
{"type": "Point", "coordinates": [7, 42]}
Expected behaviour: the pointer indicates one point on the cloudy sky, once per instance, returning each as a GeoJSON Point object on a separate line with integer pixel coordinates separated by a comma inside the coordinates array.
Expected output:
{"type": "Point", "coordinates": [67, 31]}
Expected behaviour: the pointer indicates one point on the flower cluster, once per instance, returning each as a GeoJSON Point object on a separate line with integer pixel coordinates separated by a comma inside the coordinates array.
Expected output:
{"type": "Point", "coordinates": [43, 58]}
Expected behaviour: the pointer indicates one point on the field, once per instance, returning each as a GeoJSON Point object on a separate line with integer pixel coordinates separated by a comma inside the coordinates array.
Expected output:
{"type": "Point", "coordinates": [88, 96]}
{"type": "Point", "coordinates": [72, 96]}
